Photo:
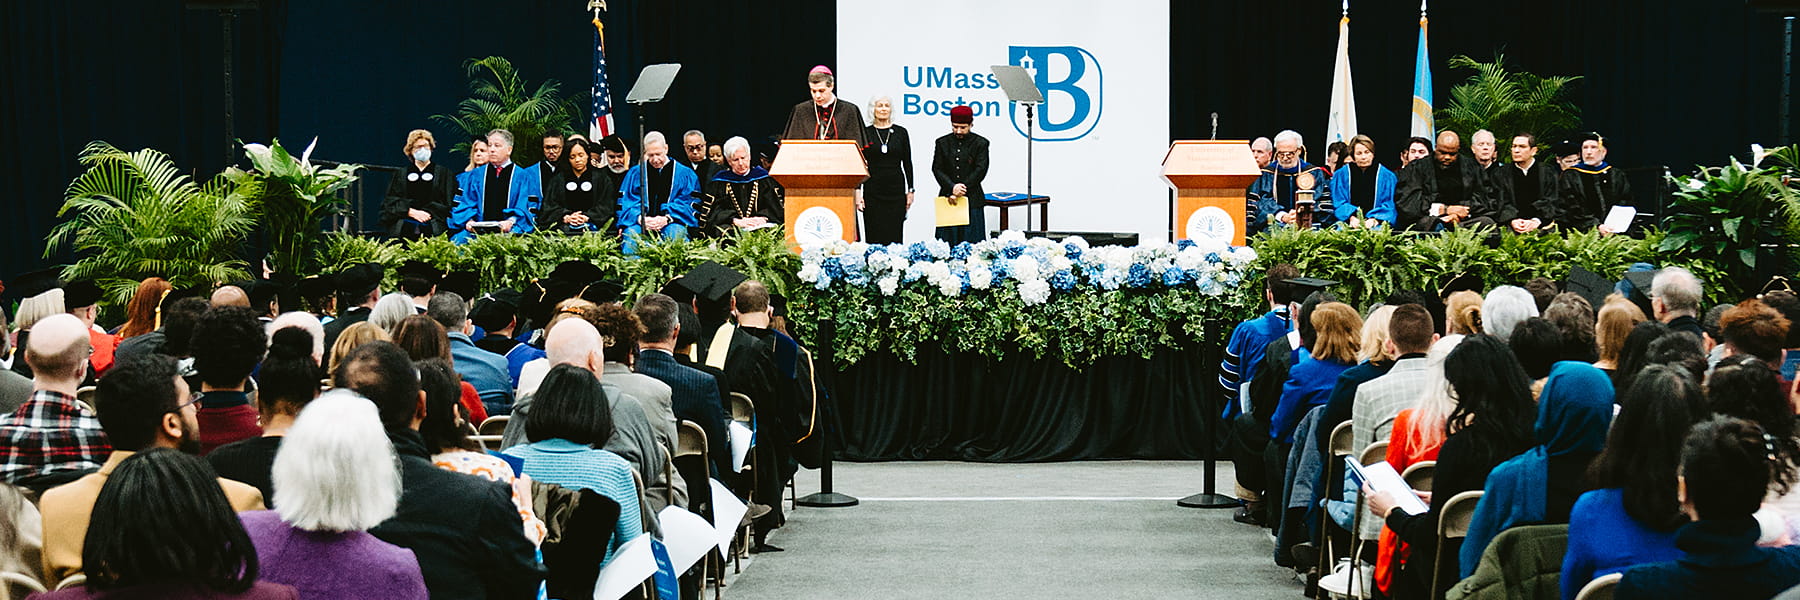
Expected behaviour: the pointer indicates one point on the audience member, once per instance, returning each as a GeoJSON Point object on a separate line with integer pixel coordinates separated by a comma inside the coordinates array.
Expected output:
{"type": "Point", "coordinates": [354, 336]}
{"type": "Point", "coordinates": [497, 314]}
{"type": "Point", "coordinates": [1617, 318]}
{"type": "Point", "coordinates": [446, 436]}
{"type": "Point", "coordinates": [1715, 339]}
{"type": "Point", "coordinates": [694, 394]}
{"type": "Point", "coordinates": [1724, 476]}
{"type": "Point", "coordinates": [1675, 297]}
{"type": "Point", "coordinates": [621, 329]}
{"type": "Point", "coordinates": [337, 478]}
{"type": "Point", "coordinates": [162, 529]}
{"type": "Point", "coordinates": [423, 339]}
{"type": "Point", "coordinates": [52, 436]}
{"type": "Point", "coordinates": [304, 321]}
{"type": "Point", "coordinates": [1462, 314]}
{"type": "Point", "coordinates": [31, 310]}
{"type": "Point", "coordinates": [1250, 439]}
{"type": "Point", "coordinates": [82, 299]}
{"type": "Point", "coordinates": [1753, 328]}
{"type": "Point", "coordinates": [1747, 388]}
{"type": "Point", "coordinates": [567, 429]}
{"type": "Point", "coordinates": [1491, 423]}
{"type": "Point", "coordinates": [141, 312]}
{"type": "Point", "coordinates": [358, 287]}
{"type": "Point", "coordinates": [144, 405]}
{"type": "Point", "coordinates": [464, 530]}
{"type": "Point", "coordinates": [1417, 437]}
{"type": "Point", "coordinates": [1504, 308]}
{"type": "Point", "coordinates": [287, 381]}
{"type": "Point", "coordinates": [1680, 350]}
{"type": "Point", "coordinates": [178, 318]}
{"type": "Point", "coordinates": [228, 343]}
{"type": "Point", "coordinates": [1543, 290]}
{"type": "Point", "coordinates": [1632, 517]}
{"type": "Point", "coordinates": [1539, 345]}
{"type": "Point", "coordinates": [1243, 353]}
{"type": "Point", "coordinates": [1377, 355]}
{"type": "Point", "coordinates": [1634, 355]}
{"type": "Point", "coordinates": [390, 310]}
{"type": "Point", "coordinates": [760, 363]}
{"type": "Point", "coordinates": [1575, 323]}
{"type": "Point", "coordinates": [482, 369]}
{"type": "Point", "coordinates": [1541, 485]}
{"type": "Point", "coordinates": [229, 295]}
{"type": "Point", "coordinates": [1410, 335]}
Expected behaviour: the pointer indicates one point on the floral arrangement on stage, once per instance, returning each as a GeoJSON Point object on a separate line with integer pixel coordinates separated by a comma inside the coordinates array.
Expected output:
{"type": "Point", "coordinates": [1044, 297]}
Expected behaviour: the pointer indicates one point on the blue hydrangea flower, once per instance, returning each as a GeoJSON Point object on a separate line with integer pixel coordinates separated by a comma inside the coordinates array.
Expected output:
{"type": "Point", "coordinates": [1073, 251]}
{"type": "Point", "coordinates": [1013, 250]}
{"type": "Point", "coordinates": [1184, 244]}
{"type": "Point", "coordinates": [1062, 280]}
{"type": "Point", "coordinates": [939, 248]}
{"type": "Point", "coordinates": [961, 251]}
{"type": "Point", "coordinates": [917, 252]}
{"type": "Point", "coordinates": [1175, 276]}
{"type": "Point", "coordinates": [1139, 276]}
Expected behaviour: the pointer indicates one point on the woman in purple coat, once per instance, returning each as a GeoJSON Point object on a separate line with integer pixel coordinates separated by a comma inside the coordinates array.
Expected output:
{"type": "Point", "coordinates": [335, 477]}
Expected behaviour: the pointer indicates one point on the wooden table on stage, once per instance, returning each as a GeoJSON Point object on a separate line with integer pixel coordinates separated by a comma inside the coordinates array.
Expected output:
{"type": "Point", "coordinates": [1007, 200]}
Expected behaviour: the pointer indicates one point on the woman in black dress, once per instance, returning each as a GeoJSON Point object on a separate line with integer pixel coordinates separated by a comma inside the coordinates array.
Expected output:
{"type": "Point", "coordinates": [888, 193]}
{"type": "Point", "coordinates": [419, 197]}
{"type": "Point", "coordinates": [578, 198]}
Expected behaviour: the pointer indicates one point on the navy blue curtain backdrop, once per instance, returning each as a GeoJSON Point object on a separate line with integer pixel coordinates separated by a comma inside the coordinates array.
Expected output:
{"type": "Point", "coordinates": [1676, 82]}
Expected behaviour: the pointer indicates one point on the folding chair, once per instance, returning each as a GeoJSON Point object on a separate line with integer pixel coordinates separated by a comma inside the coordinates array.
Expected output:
{"type": "Point", "coordinates": [1339, 448]}
{"type": "Point", "coordinates": [72, 581]}
{"type": "Point", "coordinates": [1375, 453]}
{"type": "Point", "coordinates": [1601, 588]}
{"type": "Point", "coordinates": [84, 397]}
{"type": "Point", "coordinates": [12, 581]}
{"type": "Point", "coordinates": [495, 425]}
{"type": "Point", "coordinates": [1419, 475]}
{"type": "Point", "coordinates": [1453, 524]}
{"type": "Point", "coordinates": [691, 443]}
{"type": "Point", "coordinates": [743, 410]}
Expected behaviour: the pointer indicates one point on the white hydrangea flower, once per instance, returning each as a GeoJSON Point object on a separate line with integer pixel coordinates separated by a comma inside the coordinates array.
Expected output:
{"type": "Point", "coordinates": [982, 278]}
{"type": "Point", "coordinates": [1035, 292]}
{"type": "Point", "coordinates": [1208, 244]}
{"type": "Point", "coordinates": [888, 285]}
{"type": "Point", "coordinates": [809, 272]}
{"type": "Point", "coordinates": [1025, 269]}
{"type": "Point", "coordinates": [1011, 235]}
{"type": "Point", "coordinates": [1077, 241]}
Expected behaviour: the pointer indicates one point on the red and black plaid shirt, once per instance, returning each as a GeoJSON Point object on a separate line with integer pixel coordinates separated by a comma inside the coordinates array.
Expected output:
{"type": "Point", "coordinates": [50, 433]}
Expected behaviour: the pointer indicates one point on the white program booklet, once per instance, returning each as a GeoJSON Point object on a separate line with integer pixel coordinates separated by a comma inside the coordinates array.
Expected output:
{"type": "Point", "coordinates": [1619, 219]}
{"type": "Point", "coordinates": [1382, 477]}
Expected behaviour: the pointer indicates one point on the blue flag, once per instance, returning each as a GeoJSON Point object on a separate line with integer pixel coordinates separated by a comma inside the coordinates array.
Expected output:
{"type": "Point", "coordinates": [1422, 125]}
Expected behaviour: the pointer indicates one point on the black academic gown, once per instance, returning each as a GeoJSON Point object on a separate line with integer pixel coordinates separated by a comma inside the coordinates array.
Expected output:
{"type": "Point", "coordinates": [733, 196]}
{"type": "Point", "coordinates": [843, 121]}
{"type": "Point", "coordinates": [962, 160]}
{"type": "Point", "coordinates": [1418, 190]}
{"type": "Point", "coordinates": [1533, 193]}
{"type": "Point", "coordinates": [595, 192]}
{"type": "Point", "coordinates": [431, 189]}
{"type": "Point", "coordinates": [1589, 193]}
{"type": "Point", "coordinates": [751, 368]}
{"type": "Point", "coordinates": [356, 314]}
{"type": "Point", "coordinates": [889, 152]}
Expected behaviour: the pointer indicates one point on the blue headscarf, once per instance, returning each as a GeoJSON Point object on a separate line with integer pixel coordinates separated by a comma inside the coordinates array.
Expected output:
{"type": "Point", "coordinates": [1574, 412]}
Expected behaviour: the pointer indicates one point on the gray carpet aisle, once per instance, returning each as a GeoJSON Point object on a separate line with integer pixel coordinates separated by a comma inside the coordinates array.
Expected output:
{"type": "Point", "coordinates": [1060, 530]}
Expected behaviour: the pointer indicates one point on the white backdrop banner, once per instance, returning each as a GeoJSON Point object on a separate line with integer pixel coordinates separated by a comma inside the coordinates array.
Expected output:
{"type": "Point", "coordinates": [1103, 128]}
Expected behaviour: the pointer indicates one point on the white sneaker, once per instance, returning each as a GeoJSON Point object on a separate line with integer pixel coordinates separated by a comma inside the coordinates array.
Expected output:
{"type": "Point", "coordinates": [1341, 582]}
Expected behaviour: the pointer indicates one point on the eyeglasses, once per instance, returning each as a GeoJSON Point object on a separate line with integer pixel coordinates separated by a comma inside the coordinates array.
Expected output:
{"type": "Point", "coordinates": [695, 146]}
{"type": "Point", "coordinates": [192, 399]}
{"type": "Point", "coordinates": [1288, 154]}
{"type": "Point", "coordinates": [552, 146]}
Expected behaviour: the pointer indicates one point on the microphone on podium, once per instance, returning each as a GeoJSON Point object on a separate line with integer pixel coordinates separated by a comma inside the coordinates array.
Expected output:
{"type": "Point", "coordinates": [1215, 121]}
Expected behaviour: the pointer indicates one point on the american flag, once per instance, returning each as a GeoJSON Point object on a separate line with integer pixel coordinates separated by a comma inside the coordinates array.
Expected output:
{"type": "Point", "coordinates": [602, 124]}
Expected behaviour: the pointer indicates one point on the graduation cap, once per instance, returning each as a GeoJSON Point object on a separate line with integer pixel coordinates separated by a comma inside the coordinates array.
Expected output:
{"type": "Point", "coordinates": [1566, 147]}
{"type": "Point", "coordinates": [1466, 282]}
{"type": "Point", "coordinates": [1307, 286]}
{"type": "Point", "coordinates": [1636, 287]}
{"type": "Point", "coordinates": [612, 143]}
{"type": "Point", "coordinates": [360, 279]}
{"type": "Point", "coordinates": [317, 286]}
{"type": "Point", "coordinates": [778, 305]}
{"type": "Point", "coordinates": [1589, 137]}
{"type": "Point", "coordinates": [495, 310]}
{"type": "Point", "coordinates": [577, 271]}
{"type": "Point", "coordinates": [461, 283]}
{"type": "Point", "coordinates": [1589, 285]}
{"type": "Point", "coordinates": [421, 270]}
{"type": "Point", "coordinates": [604, 291]}
{"type": "Point", "coordinates": [677, 292]}
{"type": "Point", "coordinates": [34, 283]}
{"type": "Point", "coordinates": [261, 291]}
{"type": "Point", "coordinates": [713, 281]}
{"type": "Point", "coordinates": [78, 294]}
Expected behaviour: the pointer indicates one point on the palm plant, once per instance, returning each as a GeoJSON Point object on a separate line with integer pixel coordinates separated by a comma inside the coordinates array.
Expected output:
{"type": "Point", "coordinates": [134, 215]}
{"type": "Point", "coordinates": [1507, 102]}
{"type": "Point", "coordinates": [500, 99]}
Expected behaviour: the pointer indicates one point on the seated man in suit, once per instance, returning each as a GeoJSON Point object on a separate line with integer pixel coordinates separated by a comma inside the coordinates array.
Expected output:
{"type": "Point", "coordinates": [694, 394]}
{"type": "Point", "coordinates": [503, 194]}
{"type": "Point", "coordinates": [144, 404]}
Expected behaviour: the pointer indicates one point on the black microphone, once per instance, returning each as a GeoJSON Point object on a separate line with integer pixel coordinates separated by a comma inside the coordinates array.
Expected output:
{"type": "Point", "coordinates": [1215, 121]}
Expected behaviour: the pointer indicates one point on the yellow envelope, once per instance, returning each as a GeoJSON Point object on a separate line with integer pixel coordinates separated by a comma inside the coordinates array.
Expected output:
{"type": "Point", "coordinates": [952, 215]}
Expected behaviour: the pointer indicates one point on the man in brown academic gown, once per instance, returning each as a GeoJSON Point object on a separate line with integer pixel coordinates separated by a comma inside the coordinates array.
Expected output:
{"type": "Point", "coordinates": [825, 117]}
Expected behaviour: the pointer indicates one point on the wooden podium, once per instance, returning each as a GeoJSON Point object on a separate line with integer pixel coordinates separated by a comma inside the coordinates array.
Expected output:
{"type": "Point", "coordinates": [821, 178]}
{"type": "Point", "coordinates": [1209, 177]}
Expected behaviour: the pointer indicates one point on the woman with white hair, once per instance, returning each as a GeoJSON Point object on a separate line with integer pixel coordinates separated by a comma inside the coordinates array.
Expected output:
{"type": "Point", "coordinates": [888, 193]}
{"type": "Point", "coordinates": [1505, 307]}
{"type": "Point", "coordinates": [390, 310]}
{"type": "Point", "coordinates": [742, 196]}
{"type": "Point", "coordinates": [335, 477]}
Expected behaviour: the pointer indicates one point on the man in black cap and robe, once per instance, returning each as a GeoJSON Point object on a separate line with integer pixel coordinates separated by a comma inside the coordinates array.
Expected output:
{"type": "Point", "coordinates": [358, 288]}
{"type": "Point", "coordinates": [1591, 188]}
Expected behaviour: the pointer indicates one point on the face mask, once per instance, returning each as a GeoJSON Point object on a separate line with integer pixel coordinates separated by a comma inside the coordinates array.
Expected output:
{"type": "Point", "coordinates": [422, 155]}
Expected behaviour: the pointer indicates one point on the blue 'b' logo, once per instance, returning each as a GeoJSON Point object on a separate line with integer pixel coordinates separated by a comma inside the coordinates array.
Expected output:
{"type": "Point", "coordinates": [1070, 80]}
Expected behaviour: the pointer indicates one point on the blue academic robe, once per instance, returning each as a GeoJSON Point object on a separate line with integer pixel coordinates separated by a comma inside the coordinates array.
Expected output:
{"type": "Point", "coordinates": [522, 199]}
{"type": "Point", "coordinates": [683, 184]}
{"type": "Point", "coordinates": [1385, 182]}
